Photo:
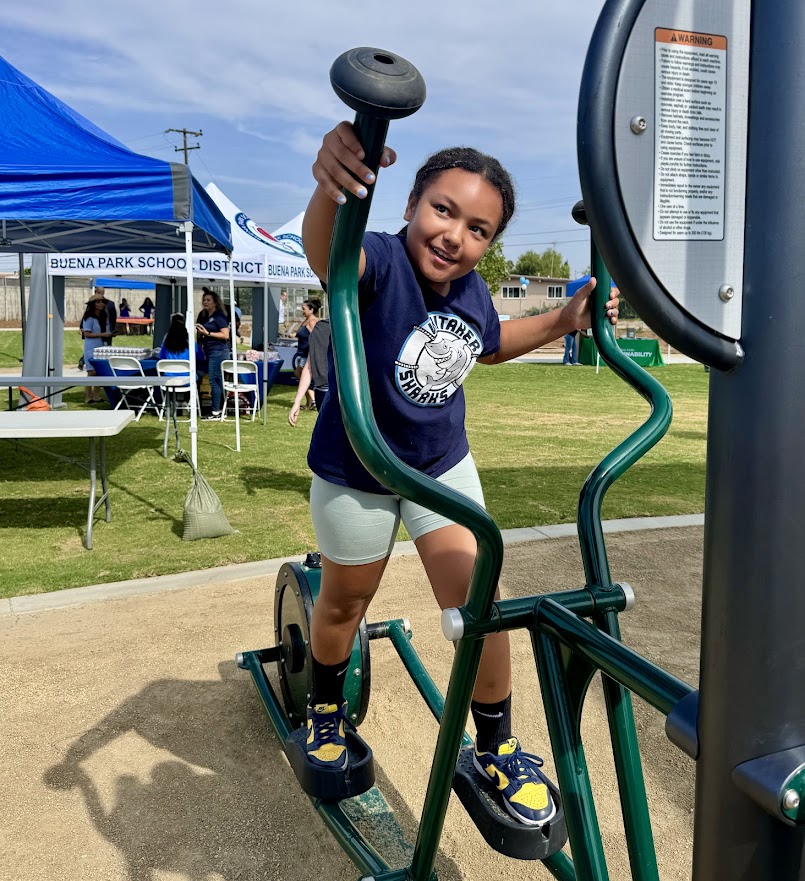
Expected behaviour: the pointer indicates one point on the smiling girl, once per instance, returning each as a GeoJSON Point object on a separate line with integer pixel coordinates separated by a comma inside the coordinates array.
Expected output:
{"type": "Point", "coordinates": [427, 317]}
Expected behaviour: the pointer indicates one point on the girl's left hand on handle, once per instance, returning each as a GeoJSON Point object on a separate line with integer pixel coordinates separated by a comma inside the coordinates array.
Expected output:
{"type": "Point", "coordinates": [578, 313]}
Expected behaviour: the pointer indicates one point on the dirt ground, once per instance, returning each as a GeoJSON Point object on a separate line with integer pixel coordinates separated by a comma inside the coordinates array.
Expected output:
{"type": "Point", "coordinates": [133, 749]}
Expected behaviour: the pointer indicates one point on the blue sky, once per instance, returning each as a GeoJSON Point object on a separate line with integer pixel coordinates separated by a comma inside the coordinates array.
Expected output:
{"type": "Point", "coordinates": [253, 77]}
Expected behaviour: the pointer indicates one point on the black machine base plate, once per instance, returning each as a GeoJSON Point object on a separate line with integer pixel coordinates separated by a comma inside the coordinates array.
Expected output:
{"type": "Point", "coordinates": [500, 831]}
{"type": "Point", "coordinates": [332, 785]}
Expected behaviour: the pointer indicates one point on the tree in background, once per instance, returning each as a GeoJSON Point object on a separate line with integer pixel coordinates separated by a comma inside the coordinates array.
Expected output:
{"type": "Point", "coordinates": [550, 264]}
{"type": "Point", "coordinates": [493, 267]}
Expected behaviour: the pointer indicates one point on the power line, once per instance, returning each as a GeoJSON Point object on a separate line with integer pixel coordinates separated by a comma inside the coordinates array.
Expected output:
{"type": "Point", "coordinates": [184, 148]}
{"type": "Point", "coordinates": [142, 137]}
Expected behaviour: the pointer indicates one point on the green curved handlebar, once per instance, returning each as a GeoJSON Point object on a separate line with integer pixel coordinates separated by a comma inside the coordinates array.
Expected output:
{"type": "Point", "coordinates": [591, 533]}
{"type": "Point", "coordinates": [355, 395]}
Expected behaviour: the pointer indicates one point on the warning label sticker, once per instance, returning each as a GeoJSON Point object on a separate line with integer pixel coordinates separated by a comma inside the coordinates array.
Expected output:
{"type": "Point", "coordinates": [691, 107]}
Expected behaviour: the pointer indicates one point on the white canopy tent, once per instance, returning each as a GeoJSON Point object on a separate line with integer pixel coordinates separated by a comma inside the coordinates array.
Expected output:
{"type": "Point", "coordinates": [258, 256]}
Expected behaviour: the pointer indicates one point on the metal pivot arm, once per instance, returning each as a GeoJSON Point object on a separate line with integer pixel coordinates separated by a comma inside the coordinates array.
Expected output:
{"type": "Point", "coordinates": [381, 86]}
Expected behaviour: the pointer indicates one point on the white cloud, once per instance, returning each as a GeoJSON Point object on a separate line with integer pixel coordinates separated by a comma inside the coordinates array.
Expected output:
{"type": "Point", "coordinates": [504, 78]}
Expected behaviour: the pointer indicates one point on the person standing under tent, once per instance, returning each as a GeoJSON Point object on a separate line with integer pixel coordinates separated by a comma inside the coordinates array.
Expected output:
{"type": "Point", "coordinates": [310, 313]}
{"type": "Point", "coordinates": [111, 313]}
{"type": "Point", "coordinates": [238, 320]}
{"type": "Point", "coordinates": [315, 372]}
{"type": "Point", "coordinates": [95, 333]}
{"type": "Point", "coordinates": [147, 309]}
{"type": "Point", "coordinates": [125, 312]}
{"type": "Point", "coordinates": [212, 326]}
{"type": "Point", "coordinates": [284, 324]}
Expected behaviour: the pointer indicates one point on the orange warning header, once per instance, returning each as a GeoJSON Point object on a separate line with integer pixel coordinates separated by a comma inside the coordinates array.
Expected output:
{"type": "Point", "coordinates": [690, 38]}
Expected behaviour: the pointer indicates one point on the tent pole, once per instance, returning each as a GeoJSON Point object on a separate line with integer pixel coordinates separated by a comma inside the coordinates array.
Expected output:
{"type": "Point", "coordinates": [265, 341]}
{"type": "Point", "coordinates": [190, 324]}
{"type": "Point", "coordinates": [233, 333]}
{"type": "Point", "coordinates": [49, 339]}
{"type": "Point", "coordinates": [22, 296]}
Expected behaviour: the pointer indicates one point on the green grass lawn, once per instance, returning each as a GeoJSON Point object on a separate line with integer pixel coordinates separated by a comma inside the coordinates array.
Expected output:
{"type": "Point", "coordinates": [11, 347]}
{"type": "Point", "coordinates": [536, 432]}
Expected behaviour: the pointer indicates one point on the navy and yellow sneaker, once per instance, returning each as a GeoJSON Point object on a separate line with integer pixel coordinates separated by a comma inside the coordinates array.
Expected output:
{"type": "Point", "coordinates": [520, 782]}
{"type": "Point", "coordinates": [326, 746]}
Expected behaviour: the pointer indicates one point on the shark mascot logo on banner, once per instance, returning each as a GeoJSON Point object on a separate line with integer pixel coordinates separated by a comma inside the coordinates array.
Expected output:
{"type": "Point", "coordinates": [286, 243]}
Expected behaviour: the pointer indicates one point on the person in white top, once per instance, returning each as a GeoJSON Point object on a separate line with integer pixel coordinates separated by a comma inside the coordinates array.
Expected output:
{"type": "Point", "coordinates": [95, 333]}
{"type": "Point", "coordinates": [284, 324]}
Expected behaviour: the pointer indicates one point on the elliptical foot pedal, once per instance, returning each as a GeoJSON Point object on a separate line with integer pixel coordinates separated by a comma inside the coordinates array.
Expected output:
{"type": "Point", "coordinates": [500, 831]}
{"type": "Point", "coordinates": [332, 784]}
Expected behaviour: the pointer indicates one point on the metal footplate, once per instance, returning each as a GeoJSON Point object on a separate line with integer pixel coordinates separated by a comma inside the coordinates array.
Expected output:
{"type": "Point", "coordinates": [332, 784]}
{"type": "Point", "coordinates": [500, 831]}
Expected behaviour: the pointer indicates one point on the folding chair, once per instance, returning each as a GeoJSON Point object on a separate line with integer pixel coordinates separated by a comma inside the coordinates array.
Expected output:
{"type": "Point", "coordinates": [248, 383]}
{"type": "Point", "coordinates": [123, 365]}
{"type": "Point", "coordinates": [177, 367]}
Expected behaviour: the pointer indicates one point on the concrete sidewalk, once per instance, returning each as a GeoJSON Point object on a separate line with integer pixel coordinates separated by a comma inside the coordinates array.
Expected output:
{"type": "Point", "coordinates": [263, 568]}
{"type": "Point", "coordinates": [133, 749]}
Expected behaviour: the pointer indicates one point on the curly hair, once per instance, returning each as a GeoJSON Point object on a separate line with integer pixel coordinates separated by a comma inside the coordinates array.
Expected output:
{"type": "Point", "coordinates": [472, 160]}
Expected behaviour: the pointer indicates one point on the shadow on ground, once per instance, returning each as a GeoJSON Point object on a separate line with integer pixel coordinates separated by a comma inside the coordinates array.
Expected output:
{"type": "Point", "coordinates": [220, 789]}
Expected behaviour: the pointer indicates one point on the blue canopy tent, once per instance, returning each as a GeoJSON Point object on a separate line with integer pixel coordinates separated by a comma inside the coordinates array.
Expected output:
{"type": "Point", "coordinates": [67, 186]}
{"type": "Point", "coordinates": [123, 284]}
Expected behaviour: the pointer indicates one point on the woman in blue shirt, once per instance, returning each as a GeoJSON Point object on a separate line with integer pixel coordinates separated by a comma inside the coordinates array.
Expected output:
{"type": "Point", "coordinates": [213, 335]}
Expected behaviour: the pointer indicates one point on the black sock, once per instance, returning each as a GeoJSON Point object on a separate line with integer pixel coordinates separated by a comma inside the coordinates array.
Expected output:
{"type": "Point", "coordinates": [328, 682]}
{"type": "Point", "coordinates": [493, 723]}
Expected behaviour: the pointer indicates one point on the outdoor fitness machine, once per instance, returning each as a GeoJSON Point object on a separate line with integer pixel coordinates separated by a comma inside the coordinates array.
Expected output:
{"type": "Point", "coordinates": [691, 138]}
{"type": "Point", "coordinates": [381, 86]}
{"type": "Point", "coordinates": [688, 228]}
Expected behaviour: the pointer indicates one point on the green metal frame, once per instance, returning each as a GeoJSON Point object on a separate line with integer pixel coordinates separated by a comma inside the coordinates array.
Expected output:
{"type": "Point", "coordinates": [568, 649]}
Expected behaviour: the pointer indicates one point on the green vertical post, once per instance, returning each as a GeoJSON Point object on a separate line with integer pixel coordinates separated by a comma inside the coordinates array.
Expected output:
{"type": "Point", "coordinates": [589, 861]}
{"type": "Point", "coordinates": [620, 713]}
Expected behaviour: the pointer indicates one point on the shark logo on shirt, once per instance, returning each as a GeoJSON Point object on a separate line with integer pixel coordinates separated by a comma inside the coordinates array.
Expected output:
{"type": "Point", "coordinates": [435, 359]}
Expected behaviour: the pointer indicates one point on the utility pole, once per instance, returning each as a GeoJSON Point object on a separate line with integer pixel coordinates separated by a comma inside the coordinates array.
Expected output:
{"type": "Point", "coordinates": [184, 133]}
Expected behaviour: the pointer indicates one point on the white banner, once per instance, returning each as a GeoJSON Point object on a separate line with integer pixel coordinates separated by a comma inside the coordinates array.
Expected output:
{"type": "Point", "coordinates": [257, 269]}
{"type": "Point", "coordinates": [258, 256]}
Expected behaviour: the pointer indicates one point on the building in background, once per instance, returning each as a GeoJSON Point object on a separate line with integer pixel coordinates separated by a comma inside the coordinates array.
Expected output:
{"type": "Point", "coordinates": [540, 295]}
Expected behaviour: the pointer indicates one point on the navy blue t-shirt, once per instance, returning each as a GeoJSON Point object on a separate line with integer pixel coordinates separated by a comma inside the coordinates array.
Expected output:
{"type": "Point", "coordinates": [215, 323]}
{"type": "Point", "coordinates": [420, 347]}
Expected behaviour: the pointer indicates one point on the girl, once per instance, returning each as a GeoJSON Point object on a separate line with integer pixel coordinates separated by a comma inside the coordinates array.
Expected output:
{"type": "Point", "coordinates": [427, 316]}
{"type": "Point", "coordinates": [95, 333]}
{"type": "Point", "coordinates": [213, 333]}
{"type": "Point", "coordinates": [175, 346]}
{"type": "Point", "coordinates": [147, 307]}
{"type": "Point", "coordinates": [310, 314]}
{"type": "Point", "coordinates": [125, 312]}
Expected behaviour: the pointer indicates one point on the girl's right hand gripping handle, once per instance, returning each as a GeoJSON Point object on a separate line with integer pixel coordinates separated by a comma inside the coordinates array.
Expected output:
{"type": "Point", "coordinates": [381, 86]}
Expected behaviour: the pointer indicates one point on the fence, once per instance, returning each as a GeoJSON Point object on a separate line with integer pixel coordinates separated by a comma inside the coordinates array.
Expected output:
{"type": "Point", "coordinates": [76, 293]}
